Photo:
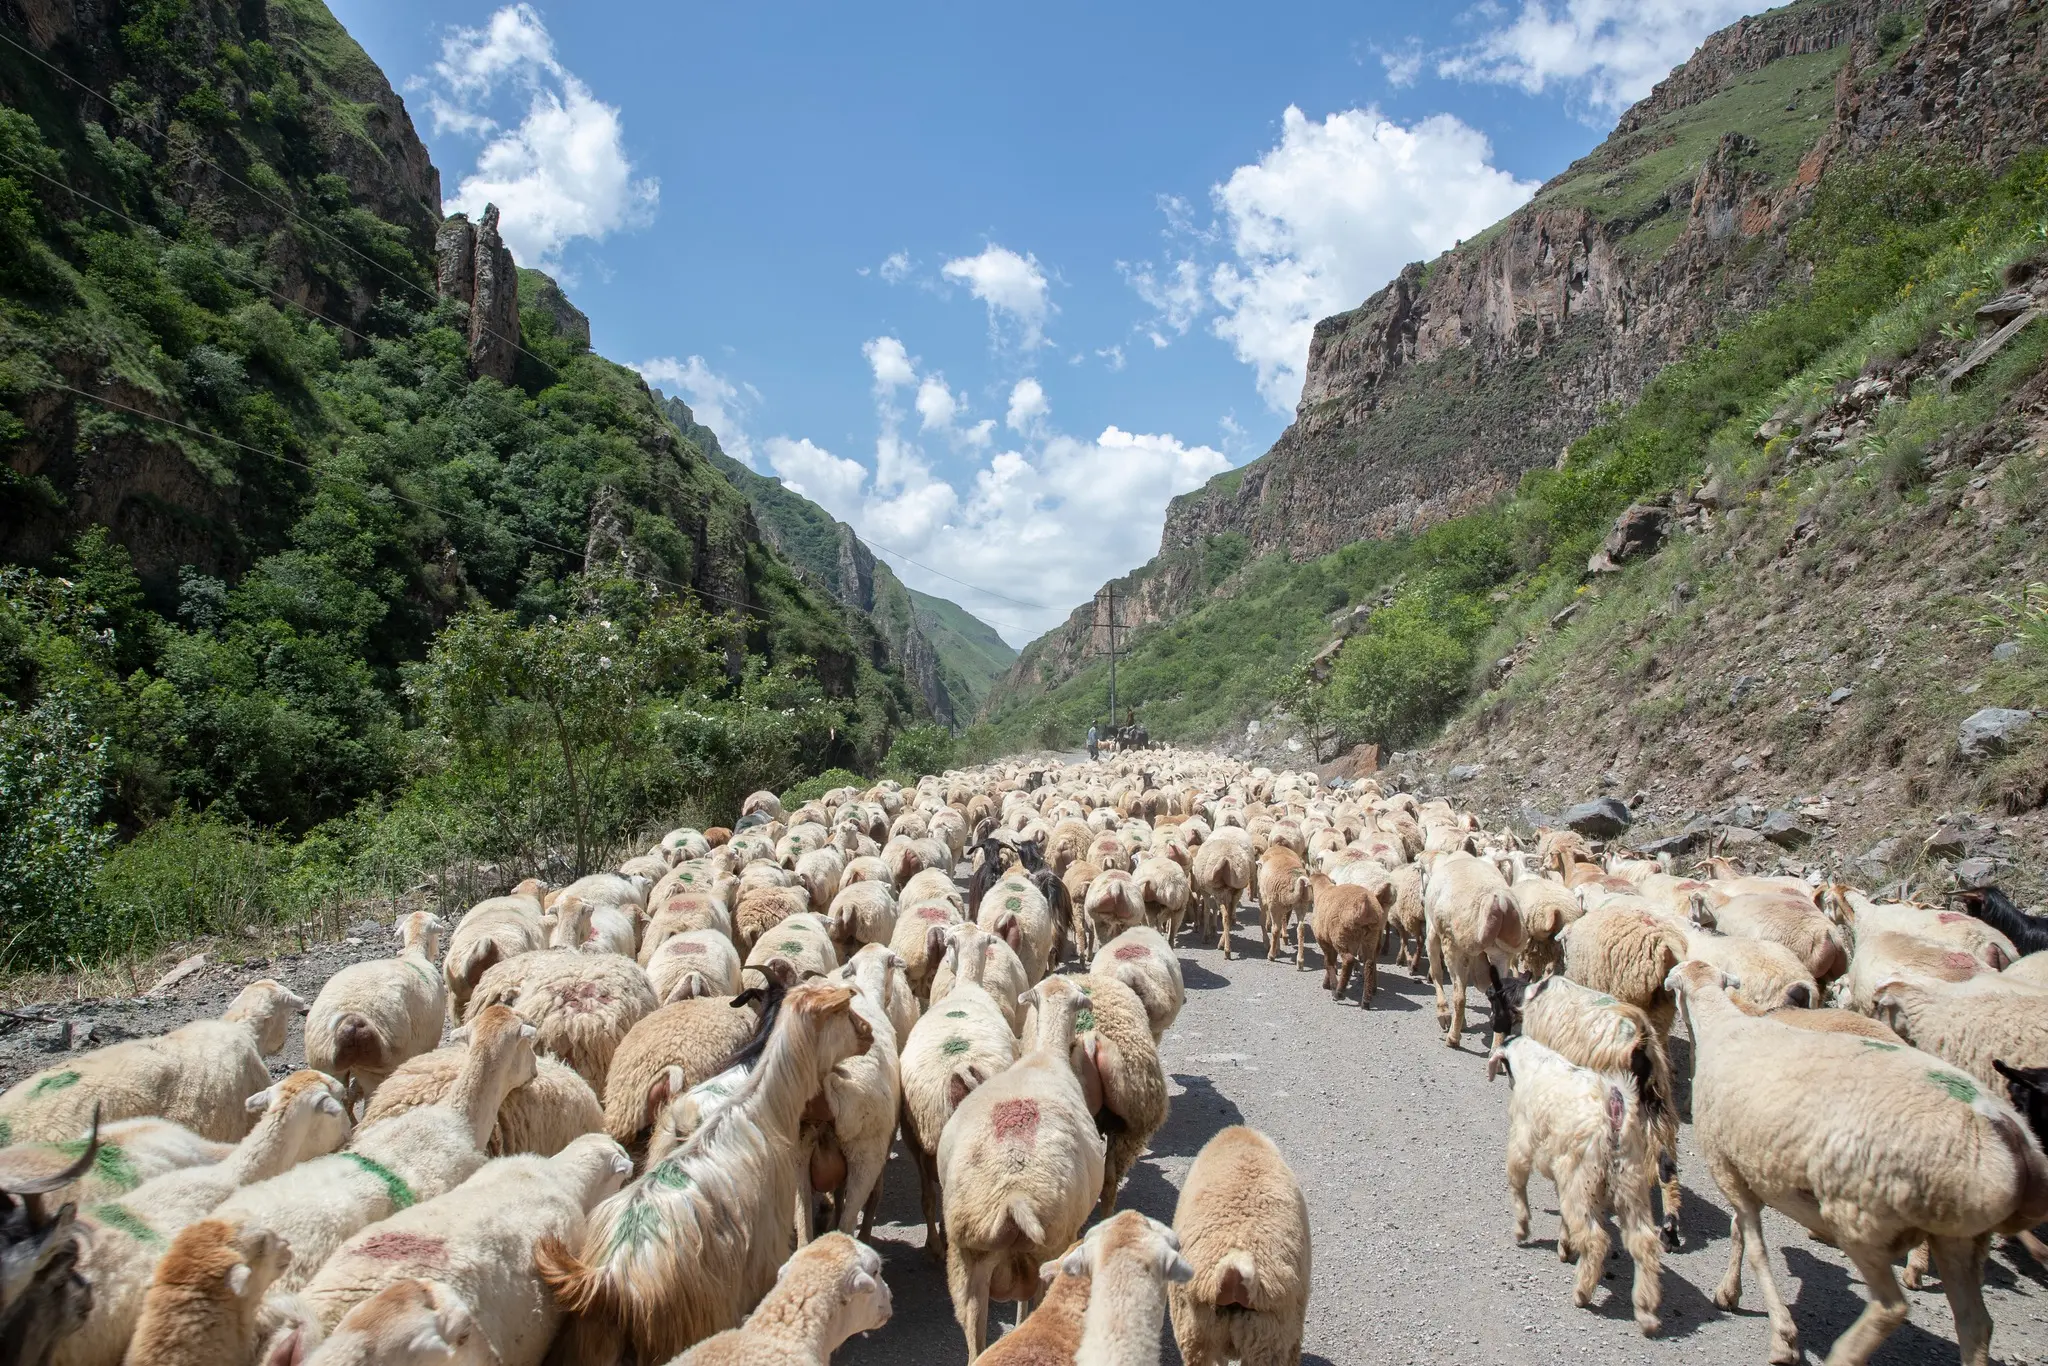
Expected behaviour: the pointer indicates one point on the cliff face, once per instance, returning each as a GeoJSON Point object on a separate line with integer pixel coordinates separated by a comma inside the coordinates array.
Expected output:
{"type": "Point", "coordinates": [1441, 390]}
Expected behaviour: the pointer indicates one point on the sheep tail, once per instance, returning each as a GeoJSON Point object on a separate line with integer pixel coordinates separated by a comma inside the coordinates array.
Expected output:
{"type": "Point", "coordinates": [2030, 1168]}
{"type": "Point", "coordinates": [1025, 1220]}
{"type": "Point", "coordinates": [578, 1288]}
{"type": "Point", "coordinates": [356, 1044]}
{"type": "Point", "coordinates": [1232, 1283]}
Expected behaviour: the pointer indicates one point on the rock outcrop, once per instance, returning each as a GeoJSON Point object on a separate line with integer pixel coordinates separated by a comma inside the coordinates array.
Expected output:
{"type": "Point", "coordinates": [473, 266]}
{"type": "Point", "coordinates": [537, 289]}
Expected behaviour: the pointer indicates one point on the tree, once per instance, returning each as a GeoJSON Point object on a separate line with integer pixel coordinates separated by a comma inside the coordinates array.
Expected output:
{"type": "Point", "coordinates": [50, 841]}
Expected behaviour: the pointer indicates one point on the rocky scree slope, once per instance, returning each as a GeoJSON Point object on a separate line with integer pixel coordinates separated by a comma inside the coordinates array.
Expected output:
{"type": "Point", "coordinates": [1436, 394]}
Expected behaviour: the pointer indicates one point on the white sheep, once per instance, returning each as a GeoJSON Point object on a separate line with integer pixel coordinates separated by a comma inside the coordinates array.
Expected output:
{"type": "Point", "coordinates": [1866, 1144]}
{"type": "Point", "coordinates": [197, 1075]}
{"type": "Point", "coordinates": [1113, 904]}
{"type": "Point", "coordinates": [491, 931]}
{"type": "Point", "coordinates": [1122, 1078]}
{"type": "Point", "coordinates": [1222, 870]}
{"type": "Point", "coordinates": [863, 1095]}
{"type": "Point", "coordinates": [538, 1116]}
{"type": "Point", "coordinates": [1020, 1164]}
{"type": "Point", "coordinates": [413, 1323]}
{"type": "Point", "coordinates": [595, 926]}
{"type": "Point", "coordinates": [1243, 1228]}
{"type": "Point", "coordinates": [1970, 1024]}
{"type": "Point", "coordinates": [130, 1152]}
{"type": "Point", "coordinates": [580, 1004]}
{"type": "Point", "coordinates": [1627, 953]}
{"type": "Point", "coordinates": [479, 1238]}
{"type": "Point", "coordinates": [1770, 974]}
{"type": "Point", "coordinates": [997, 969]}
{"type": "Point", "coordinates": [830, 1290]}
{"type": "Point", "coordinates": [692, 1244]}
{"type": "Point", "coordinates": [864, 912]}
{"type": "Point", "coordinates": [919, 939]}
{"type": "Point", "coordinates": [694, 963]}
{"type": "Point", "coordinates": [1015, 911]}
{"type": "Point", "coordinates": [372, 1016]}
{"type": "Point", "coordinates": [1164, 884]}
{"type": "Point", "coordinates": [1129, 1260]}
{"type": "Point", "coordinates": [1143, 960]}
{"type": "Point", "coordinates": [1782, 917]}
{"type": "Point", "coordinates": [1284, 896]}
{"type": "Point", "coordinates": [1473, 928]}
{"type": "Point", "coordinates": [1586, 1132]}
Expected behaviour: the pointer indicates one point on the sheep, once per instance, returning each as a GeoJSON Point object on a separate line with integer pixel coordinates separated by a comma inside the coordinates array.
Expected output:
{"type": "Point", "coordinates": [412, 1323]}
{"type": "Point", "coordinates": [693, 1243]}
{"type": "Point", "coordinates": [830, 1290]}
{"type": "Point", "coordinates": [397, 1162]}
{"type": "Point", "coordinates": [201, 1308]}
{"type": "Point", "coordinates": [1626, 953]}
{"type": "Point", "coordinates": [961, 1041]}
{"type": "Point", "coordinates": [1407, 921]}
{"type": "Point", "coordinates": [1129, 1261]}
{"type": "Point", "coordinates": [478, 1239]}
{"type": "Point", "coordinates": [1348, 923]}
{"type": "Point", "coordinates": [2031, 970]}
{"type": "Point", "coordinates": [999, 971]}
{"type": "Point", "coordinates": [1164, 886]}
{"type": "Point", "coordinates": [898, 1002]}
{"type": "Point", "coordinates": [197, 1075]}
{"type": "Point", "coordinates": [1858, 915]}
{"type": "Point", "coordinates": [580, 1004]}
{"type": "Point", "coordinates": [1471, 923]}
{"type": "Point", "coordinates": [863, 1095]}
{"type": "Point", "coordinates": [372, 1016]}
{"type": "Point", "coordinates": [491, 931]}
{"type": "Point", "coordinates": [818, 872]}
{"type": "Point", "coordinates": [863, 913]}
{"type": "Point", "coordinates": [1114, 904]}
{"type": "Point", "coordinates": [1243, 1227]}
{"type": "Point", "coordinates": [1779, 918]}
{"type": "Point", "coordinates": [762, 909]}
{"type": "Point", "coordinates": [1222, 871]}
{"type": "Point", "coordinates": [1020, 1162]}
{"type": "Point", "coordinates": [539, 1116]}
{"type": "Point", "coordinates": [1546, 907]}
{"type": "Point", "coordinates": [1143, 959]}
{"type": "Point", "coordinates": [1018, 913]}
{"type": "Point", "coordinates": [44, 1297]}
{"type": "Point", "coordinates": [1283, 887]}
{"type": "Point", "coordinates": [595, 927]}
{"type": "Point", "coordinates": [129, 1152]}
{"type": "Point", "coordinates": [604, 889]}
{"type": "Point", "coordinates": [694, 963]}
{"type": "Point", "coordinates": [802, 941]}
{"type": "Point", "coordinates": [1887, 953]}
{"type": "Point", "coordinates": [1971, 1029]}
{"type": "Point", "coordinates": [1770, 975]}
{"type": "Point", "coordinates": [699, 1037]}
{"type": "Point", "coordinates": [1121, 1075]}
{"type": "Point", "coordinates": [1076, 880]}
{"type": "Point", "coordinates": [1593, 1030]}
{"type": "Point", "coordinates": [1051, 1334]}
{"type": "Point", "coordinates": [1868, 1146]}
{"type": "Point", "coordinates": [681, 914]}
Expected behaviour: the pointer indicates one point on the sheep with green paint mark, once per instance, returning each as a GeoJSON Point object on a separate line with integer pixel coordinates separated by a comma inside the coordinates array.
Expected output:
{"type": "Point", "coordinates": [370, 1017]}
{"type": "Point", "coordinates": [130, 1152]}
{"type": "Point", "coordinates": [1869, 1145]}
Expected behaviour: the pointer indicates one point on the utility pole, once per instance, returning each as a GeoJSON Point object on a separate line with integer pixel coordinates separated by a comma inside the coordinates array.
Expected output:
{"type": "Point", "coordinates": [1105, 604]}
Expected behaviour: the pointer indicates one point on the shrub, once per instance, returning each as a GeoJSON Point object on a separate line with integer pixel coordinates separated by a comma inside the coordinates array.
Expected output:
{"type": "Point", "coordinates": [50, 841]}
{"type": "Point", "coordinates": [919, 750]}
{"type": "Point", "coordinates": [810, 789]}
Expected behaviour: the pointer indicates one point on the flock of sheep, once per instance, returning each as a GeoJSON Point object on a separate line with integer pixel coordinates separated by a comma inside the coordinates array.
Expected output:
{"type": "Point", "coordinates": [667, 1080]}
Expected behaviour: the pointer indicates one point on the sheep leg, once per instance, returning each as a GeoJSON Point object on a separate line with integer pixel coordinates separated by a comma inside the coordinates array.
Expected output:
{"type": "Point", "coordinates": [874, 1205]}
{"type": "Point", "coordinates": [1343, 966]}
{"type": "Point", "coordinates": [1578, 1206]}
{"type": "Point", "coordinates": [1749, 1217]}
{"type": "Point", "coordinates": [928, 1191]}
{"type": "Point", "coordinates": [969, 1288]}
{"type": "Point", "coordinates": [1886, 1311]}
{"type": "Point", "coordinates": [1369, 971]}
{"type": "Point", "coordinates": [1519, 1155]}
{"type": "Point", "coordinates": [1301, 933]}
{"type": "Point", "coordinates": [859, 1191]}
{"type": "Point", "coordinates": [1916, 1265]}
{"type": "Point", "coordinates": [1454, 1037]}
{"type": "Point", "coordinates": [1961, 1264]}
{"type": "Point", "coordinates": [1497, 1004]}
{"type": "Point", "coordinates": [1667, 1182]}
{"type": "Point", "coordinates": [1194, 1330]}
{"type": "Point", "coordinates": [1639, 1234]}
{"type": "Point", "coordinates": [2036, 1249]}
{"type": "Point", "coordinates": [1436, 978]}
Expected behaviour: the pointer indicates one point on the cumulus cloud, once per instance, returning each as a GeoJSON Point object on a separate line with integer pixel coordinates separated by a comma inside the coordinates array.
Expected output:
{"type": "Point", "coordinates": [561, 172]}
{"type": "Point", "coordinates": [1043, 521]}
{"type": "Point", "coordinates": [1014, 288]}
{"type": "Point", "coordinates": [1608, 52]}
{"type": "Point", "coordinates": [890, 362]}
{"type": "Point", "coordinates": [718, 403]}
{"type": "Point", "coordinates": [1332, 213]}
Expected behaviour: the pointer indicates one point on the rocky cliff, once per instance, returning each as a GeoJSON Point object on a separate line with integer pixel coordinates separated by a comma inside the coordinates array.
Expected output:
{"type": "Point", "coordinates": [1441, 390]}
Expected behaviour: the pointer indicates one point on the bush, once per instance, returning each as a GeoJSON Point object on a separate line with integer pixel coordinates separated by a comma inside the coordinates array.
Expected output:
{"type": "Point", "coordinates": [919, 750]}
{"type": "Point", "coordinates": [810, 789]}
{"type": "Point", "coordinates": [50, 843]}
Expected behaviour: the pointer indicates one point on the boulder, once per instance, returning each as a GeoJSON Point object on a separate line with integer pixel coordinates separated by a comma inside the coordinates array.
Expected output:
{"type": "Point", "coordinates": [1991, 730]}
{"type": "Point", "coordinates": [1949, 840]}
{"type": "Point", "coordinates": [1973, 873]}
{"type": "Point", "coordinates": [1603, 818]}
{"type": "Point", "coordinates": [1785, 830]}
{"type": "Point", "coordinates": [1693, 836]}
{"type": "Point", "coordinates": [1740, 837]}
{"type": "Point", "coordinates": [1639, 530]}
{"type": "Point", "coordinates": [1463, 773]}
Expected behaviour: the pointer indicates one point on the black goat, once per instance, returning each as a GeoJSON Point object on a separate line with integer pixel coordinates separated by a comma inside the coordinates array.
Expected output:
{"type": "Point", "coordinates": [43, 1296]}
{"type": "Point", "coordinates": [2028, 933]}
{"type": "Point", "coordinates": [986, 871]}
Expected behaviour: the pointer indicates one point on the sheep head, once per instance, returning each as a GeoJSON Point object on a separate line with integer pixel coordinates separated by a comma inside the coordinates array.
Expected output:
{"type": "Point", "coordinates": [267, 1006]}
{"type": "Point", "coordinates": [1130, 1241]}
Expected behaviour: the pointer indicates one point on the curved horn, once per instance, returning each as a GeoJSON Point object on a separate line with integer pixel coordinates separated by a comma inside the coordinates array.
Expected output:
{"type": "Point", "coordinates": [25, 1170]}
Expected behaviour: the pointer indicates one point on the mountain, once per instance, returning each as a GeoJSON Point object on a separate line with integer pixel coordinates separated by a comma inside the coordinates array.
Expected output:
{"type": "Point", "coordinates": [947, 655]}
{"type": "Point", "coordinates": [287, 422]}
{"type": "Point", "coordinates": [1438, 393]}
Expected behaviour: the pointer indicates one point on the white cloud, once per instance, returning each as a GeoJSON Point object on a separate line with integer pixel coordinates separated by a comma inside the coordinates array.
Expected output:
{"type": "Point", "coordinates": [1027, 405]}
{"type": "Point", "coordinates": [562, 171]}
{"type": "Point", "coordinates": [1045, 522]}
{"type": "Point", "coordinates": [890, 362]}
{"type": "Point", "coordinates": [935, 402]}
{"type": "Point", "coordinates": [1332, 213]}
{"type": "Point", "coordinates": [1173, 292]}
{"type": "Point", "coordinates": [1402, 66]}
{"type": "Point", "coordinates": [1013, 287]}
{"type": "Point", "coordinates": [896, 268]}
{"type": "Point", "coordinates": [718, 403]}
{"type": "Point", "coordinates": [1610, 52]}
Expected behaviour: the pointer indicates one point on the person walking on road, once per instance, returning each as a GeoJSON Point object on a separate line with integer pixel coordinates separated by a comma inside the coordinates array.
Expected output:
{"type": "Point", "coordinates": [1093, 740]}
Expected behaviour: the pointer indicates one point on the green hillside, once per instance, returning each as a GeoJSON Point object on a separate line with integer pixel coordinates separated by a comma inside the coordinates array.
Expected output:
{"type": "Point", "coordinates": [968, 646]}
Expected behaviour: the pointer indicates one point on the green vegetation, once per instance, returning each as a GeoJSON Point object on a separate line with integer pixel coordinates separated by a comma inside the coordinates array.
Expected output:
{"type": "Point", "coordinates": [1899, 249]}
{"type": "Point", "coordinates": [969, 648]}
{"type": "Point", "coordinates": [299, 608]}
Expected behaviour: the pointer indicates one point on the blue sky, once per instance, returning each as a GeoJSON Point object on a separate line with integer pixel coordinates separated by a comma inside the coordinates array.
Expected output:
{"type": "Point", "coordinates": [993, 285]}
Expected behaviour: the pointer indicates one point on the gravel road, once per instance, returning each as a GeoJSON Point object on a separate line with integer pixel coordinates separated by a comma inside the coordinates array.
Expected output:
{"type": "Point", "coordinates": [1398, 1144]}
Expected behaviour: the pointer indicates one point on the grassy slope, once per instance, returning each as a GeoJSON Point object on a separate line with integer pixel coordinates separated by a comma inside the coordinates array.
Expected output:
{"type": "Point", "coordinates": [967, 645]}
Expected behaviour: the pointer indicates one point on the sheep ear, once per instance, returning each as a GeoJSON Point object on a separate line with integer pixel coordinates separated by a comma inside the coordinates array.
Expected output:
{"type": "Point", "coordinates": [1174, 1267]}
{"type": "Point", "coordinates": [259, 1102]}
{"type": "Point", "coordinates": [1075, 1263]}
{"type": "Point", "coordinates": [664, 1088]}
{"type": "Point", "coordinates": [328, 1105]}
{"type": "Point", "coordinates": [238, 1279]}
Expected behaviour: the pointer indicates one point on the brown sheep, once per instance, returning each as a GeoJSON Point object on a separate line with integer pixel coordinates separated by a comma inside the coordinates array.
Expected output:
{"type": "Point", "coordinates": [1348, 923]}
{"type": "Point", "coordinates": [1283, 887]}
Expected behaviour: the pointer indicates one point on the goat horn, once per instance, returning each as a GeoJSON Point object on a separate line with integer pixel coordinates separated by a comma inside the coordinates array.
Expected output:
{"type": "Point", "coordinates": [26, 1170]}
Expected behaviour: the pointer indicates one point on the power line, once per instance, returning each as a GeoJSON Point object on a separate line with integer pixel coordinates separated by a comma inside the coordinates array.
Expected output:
{"type": "Point", "coordinates": [990, 592]}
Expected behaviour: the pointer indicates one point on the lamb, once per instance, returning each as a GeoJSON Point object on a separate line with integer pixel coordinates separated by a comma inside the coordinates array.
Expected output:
{"type": "Point", "coordinates": [1019, 1162]}
{"type": "Point", "coordinates": [863, 1095]}
{"type": "Point", "coordinates": [197, 1075]}
{"type": "Point", "coordinates": [698, 1037]}
{"type": "Point", "coordinates": [580, 1004]}
{"type": "Point", "coordinates": [397, 1162]}
{"type": "Point", "coordinates": [1472, 924]}
{"type": "Point", "coordinates": [830, 1290]}
{"type": "Point", "coordinates": [372, 1016]}
{"type": "Point", "coordinates": [1114, 904]}
{"type": "Point", "coordinates": [412, 1323]}
{"type": "Point", "coordinates": [201, 1308]}
{"type": "Point", "coordinates": [1407, 921]}
{"type": "Point", "coordinates": [723, 1200]}
{"type": "Point", "coordinates": [961, 1041]}
{"type": "Point", "coordinates": [1585, 1131]}
{"type": "Point", "coordinates": [694, 963]}
{"type": "Point", "coordinates": [540, 1116]}
{"type": "Point", "coordinates": [1221, 872]}
{"type": "Point", "coordinates": [1129, 1261]}
{"type": "Point", "coordinates": [1143, 959]}
{"type": "Point", "coordinates": [478, 1239]}
{"type": "Point", "coordinates": [1626, 953]}
{"type": "Point", "coordinates": [1283, 887]}
{"type": "Point", "coordinates": [1120, 1072]}
{"type": "Point", "coordinates": [130, 1152]}
{"type": "Point", "coordinates": [1593, 1030]}
{"type": "Point", "coordinates": [1164, 886]}
{"type": "Point", "coordinates": [1770, 975]}
{"type": "Point", "coordinates": [1868, 1147]}
{"type": "Point", "coordinates": [899, 1003]}
{"type": "Point", "coordinates": [491, 931]}
{"type": "Point", "coordinates": [1349, 921]}
{"type": "Point", "coordinates": [1051, 1334]}
{"type": "Point", "coordinates": [1243, 1228]}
